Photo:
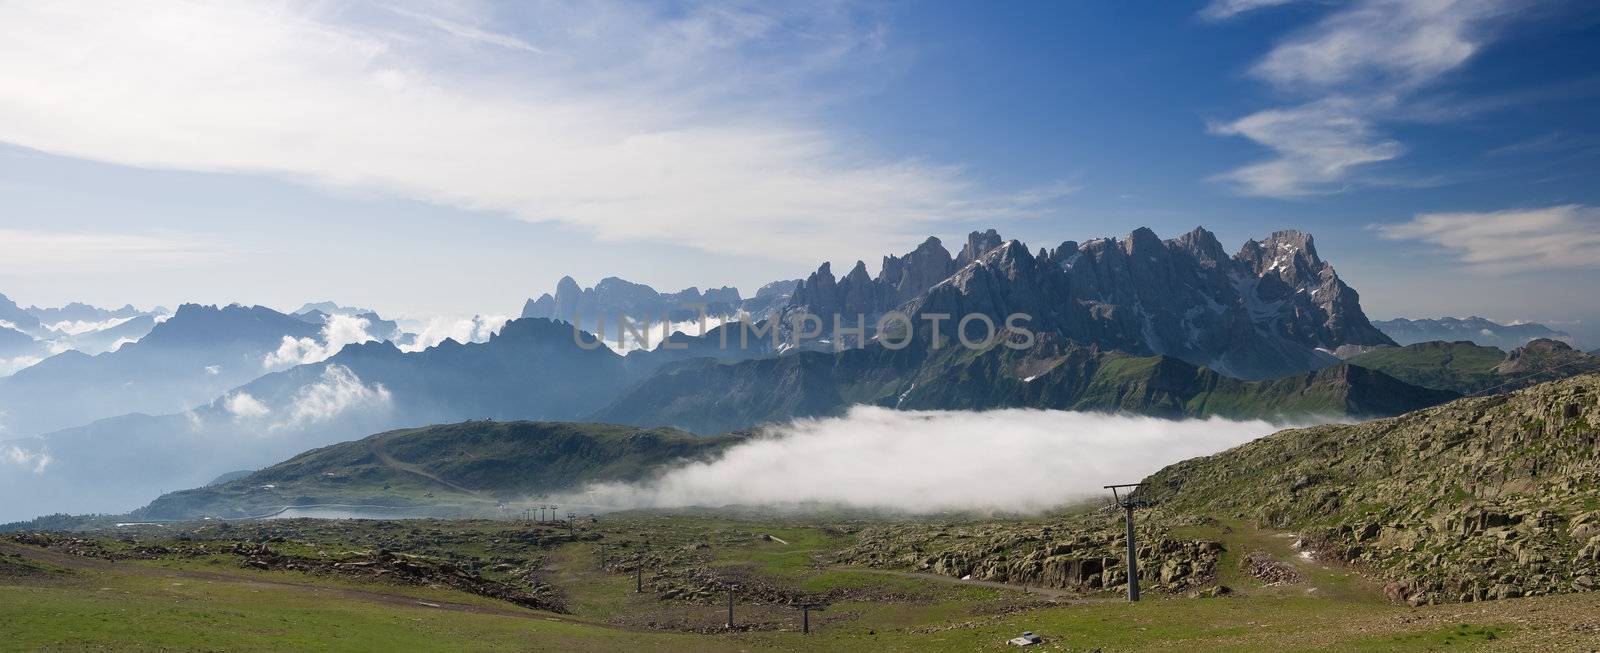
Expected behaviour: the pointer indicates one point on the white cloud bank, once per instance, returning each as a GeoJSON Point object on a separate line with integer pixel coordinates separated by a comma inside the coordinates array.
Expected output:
{"type": "Point", "coordinates": [921, 462]}
{"type": "Point", "coordinates": [690, 125]}
{"type": "Point", "coordinates": [1552, 238]}
{"type": "Point", "coordinates": [477, 328]}
{"type": "Point", "coordinates": [338, 331]}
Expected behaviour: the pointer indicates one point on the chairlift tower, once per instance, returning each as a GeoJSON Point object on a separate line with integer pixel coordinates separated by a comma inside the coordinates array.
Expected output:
{"type": "Point", "coordinates": [805, 615]}
{"type": "Point", "coordinates": [1128, 503]}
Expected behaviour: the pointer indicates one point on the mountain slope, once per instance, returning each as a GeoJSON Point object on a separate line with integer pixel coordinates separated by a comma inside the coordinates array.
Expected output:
{"type": "Point", "coordinates": [1479, 498]}
{"type": "Point", "coordinates": [1466, 368]}
{"type": "Point", "coordinates": [13, 317]}
{"type": "Point", "coordinates": [708, 396]}
{"type": "Point", "coordinates": [473, 464]}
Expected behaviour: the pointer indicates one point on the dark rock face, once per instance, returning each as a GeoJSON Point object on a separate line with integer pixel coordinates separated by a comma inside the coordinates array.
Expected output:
{"type": "Point", "coordinates": [1273, 309]}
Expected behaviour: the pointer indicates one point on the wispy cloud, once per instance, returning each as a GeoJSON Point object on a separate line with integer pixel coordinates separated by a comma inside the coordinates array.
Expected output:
{"type": "Point", "coordinates": [243, 406]}
{"type": "Point", "coordinates": [1225, 9]}
{"type": "Point", "coordinates": [33, 461]}
{"type": "Point", "coordinates": [32, 251]}
{"type": "Point", "coordinates": [1317, 145]}
{"type": "Point", "coordinates": [1557, 237]}
{"type": "Point", "coordinates": [338, 391]}
{"type": "Point", "coordinates": [689, 126]}
{"type": "Point", "coordinates": [1359, 66]}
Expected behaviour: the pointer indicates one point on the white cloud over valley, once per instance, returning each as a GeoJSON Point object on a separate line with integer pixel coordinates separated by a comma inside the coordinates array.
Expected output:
{"type": "Point", "coordinates": [930, 461]}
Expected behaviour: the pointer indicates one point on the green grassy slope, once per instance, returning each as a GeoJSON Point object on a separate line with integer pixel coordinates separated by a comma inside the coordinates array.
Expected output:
{"type": "Point", "coordinates": [173, 600]}
{"type": "Point", "coordinates": [470, 464]}
{"type": "Point", "coordinates": [1469, 369]}
{"type": "Point", "coordinates": [1479, 498]}
{"type": "Point", "coordinates": [708, 396]}
{"type": "Point", "coordinates": [1458, 366]}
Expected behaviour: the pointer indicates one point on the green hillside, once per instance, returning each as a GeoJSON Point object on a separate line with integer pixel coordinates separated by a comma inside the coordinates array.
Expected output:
{"type": "Point", "coordinates": [469, 466]}
{"type": "Point", "coordinates": [709, 396]}
{"type": "Point", "coordinates": [1466, 368]}
{"type": "Point", "coordinates": [1461, 367]}
{"type": "Point", "coordinates": [1480, 498]}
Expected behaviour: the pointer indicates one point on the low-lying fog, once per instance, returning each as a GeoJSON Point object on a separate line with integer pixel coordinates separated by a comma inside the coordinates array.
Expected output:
{"type": "Point", "coordinates": [931, 461]}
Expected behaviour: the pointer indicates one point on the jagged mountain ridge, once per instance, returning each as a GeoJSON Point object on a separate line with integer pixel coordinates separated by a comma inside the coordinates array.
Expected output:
{"type": "Point", "coordinates": [1274, 308]}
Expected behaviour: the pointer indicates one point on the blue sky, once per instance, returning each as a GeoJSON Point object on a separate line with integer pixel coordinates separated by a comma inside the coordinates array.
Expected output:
{"type": "Point", "coordinates": [457, 158]}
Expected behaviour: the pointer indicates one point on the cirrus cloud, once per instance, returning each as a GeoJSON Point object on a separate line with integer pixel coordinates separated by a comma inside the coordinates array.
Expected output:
{"type": "Point", "coordinates": [1359, 66]}
{"type": "Point", "coordinates": [1550, 238]}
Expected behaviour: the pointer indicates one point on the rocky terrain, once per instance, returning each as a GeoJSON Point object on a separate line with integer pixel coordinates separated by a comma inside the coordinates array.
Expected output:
{"type": "Point", "coordinates": [1481, 498]}
{"type": "Point", "coordinates": [1081, 553]}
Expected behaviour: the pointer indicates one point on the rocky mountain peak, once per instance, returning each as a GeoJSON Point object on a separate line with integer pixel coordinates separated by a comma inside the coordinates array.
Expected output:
{"type": "Point", "coordinates": [978, 244]}
{"type": "Point", "coordinates": [1545, 357]}
{"type": "Point", "coordinates": [1203, 245]}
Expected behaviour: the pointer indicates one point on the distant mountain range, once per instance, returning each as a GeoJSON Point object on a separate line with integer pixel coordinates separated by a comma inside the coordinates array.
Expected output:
{"type": "Point", "coordinates": [1172, 328]}
{"type": "Point", "coordinates": [1471, 329]}
{"type": "Point", "coordinates": [30, 335]}
{"type": "Point", "coordinates": [612, 299]}
{"type": "Point", "coordinates": [185, 361]}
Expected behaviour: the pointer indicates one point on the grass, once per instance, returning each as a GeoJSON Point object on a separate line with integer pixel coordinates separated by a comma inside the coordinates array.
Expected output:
{"type": "Point", "coordinates": [161, 605]}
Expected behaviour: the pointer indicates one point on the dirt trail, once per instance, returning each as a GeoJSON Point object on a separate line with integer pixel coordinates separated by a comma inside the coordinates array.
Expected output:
{"type": "Point", "coordinates": [1059, 595]}
{"type": "Point", "coordinates": [375, 445]}
{"type": "Point", "coordinates": [97, 564]}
